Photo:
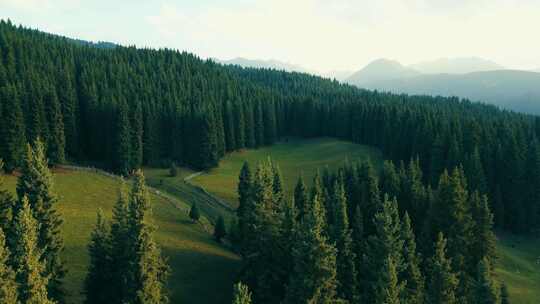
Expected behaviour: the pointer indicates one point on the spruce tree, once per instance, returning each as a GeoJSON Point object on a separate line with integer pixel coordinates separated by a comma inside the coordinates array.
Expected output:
{"type": "Point", "coordinates": [442, 283]}
{"type": "Point", "coordinates": [56, 143]}
{"type": "Point", "coordinates": [122, 151]}
{"type": "Point", "coordinates": [36, 184]}
{"type": "Point", "coordinates": [12, 131]}
{"type": "Point", "coordinates": [241, 294]}
{"type": "Point", "coordinates": [219, 230]}
{"type": "Point", "coordinates": [173, 170]}
{"type": "Point", "coordinates": [151, 270]}
{"type": "Point", "coordinates": [99, 279]}
{"type": "Point", "coordinates": [300, 197]}
{"type": "Point", "coordinates": [246, 205]}
{"type": "Point", "coordinates": [411, 274]}
{"type": "Point", "coordinates": [484, 240]}
{"type": "Point", "coordinates": [194, 213]}
{"type": "Point", "coordinates": [31, 276]}
{"type": "Point", "coordinates": [345, 260]}
{"type": "Point", "coordinates": [487, 291]}
{"type": "Point", "coordinates": [8, 285]}
{"type": "Point", "coordinates": [120, 247]}
{"type": "Point", "coordinates": [384, 255]}
{"type": "Point", "coordinates": [313, 278]}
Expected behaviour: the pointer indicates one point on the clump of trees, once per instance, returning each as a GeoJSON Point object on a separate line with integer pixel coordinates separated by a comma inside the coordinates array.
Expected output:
{"type": "Point", "coordinates": [31, 245]}
{"type": "Point", "coordinates": [126, 264]}
{"type": "Point", "coordinates": [352, 237]}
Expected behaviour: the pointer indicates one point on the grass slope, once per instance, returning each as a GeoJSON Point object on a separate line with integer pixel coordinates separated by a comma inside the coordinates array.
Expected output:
{"type": "Point", "coordinates": [519, 267]}
{"type": "Point", "coordinates": [202, 271]}
{"type": "Point", "coordinates": [294, 157]}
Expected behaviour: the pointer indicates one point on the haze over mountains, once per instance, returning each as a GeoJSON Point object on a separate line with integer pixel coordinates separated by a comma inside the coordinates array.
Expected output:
{"type": "Point", "coordinates": [473, 78]}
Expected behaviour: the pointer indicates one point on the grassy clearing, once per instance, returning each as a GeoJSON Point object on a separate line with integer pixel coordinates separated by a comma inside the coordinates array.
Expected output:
{"type": "Point", "coordinates": [519, 267]}
{"type": "Point", "coordinates": [295, 157]}
{"type": "Point", "coordinates": [202, 270]}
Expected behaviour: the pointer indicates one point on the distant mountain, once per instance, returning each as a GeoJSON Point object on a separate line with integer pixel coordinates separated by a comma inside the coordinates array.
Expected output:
{"type": "Point", "coordinates": [381, 70]}
{"type": "Point", "coordinates": [264, 64]}
{"type": "Point", "coordinates": [461, 65]}
{"type": "Point", "coordinates": [338, 75]}
{"type": "Point", "coordinates": [510, 89]}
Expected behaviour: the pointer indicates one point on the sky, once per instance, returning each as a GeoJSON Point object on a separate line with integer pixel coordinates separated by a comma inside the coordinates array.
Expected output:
{"type": "Point", "coordinates": [321, 35]}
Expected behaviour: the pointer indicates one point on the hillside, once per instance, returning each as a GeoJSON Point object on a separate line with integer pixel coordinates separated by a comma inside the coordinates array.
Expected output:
{"type": "Point", "coordinates": [295, 157]}
{"type": "Point", "coordinates": [510, 89]}
{"type": "Point", "coordinates": [196, 260]}
{"type": "Point", "coordinates": [264, 64]}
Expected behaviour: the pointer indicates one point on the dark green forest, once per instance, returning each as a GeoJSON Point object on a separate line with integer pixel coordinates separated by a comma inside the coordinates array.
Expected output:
{"type": "Point", "coordinates": [123, 107]}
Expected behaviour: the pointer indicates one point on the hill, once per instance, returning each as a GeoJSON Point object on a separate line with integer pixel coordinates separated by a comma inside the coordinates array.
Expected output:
{"type": "Point", "coordinates": [294, 156]}
{"type": "Point", "coordinates": [510, 89]}
{"type": "Point", "coordinates": [264, 64]}
{"type": "Point", "coordinates": [380, 70]}
{"type": "Point", "coordinates": [461, 65]}
{"type": "Point", "coordinates": [196, 260]}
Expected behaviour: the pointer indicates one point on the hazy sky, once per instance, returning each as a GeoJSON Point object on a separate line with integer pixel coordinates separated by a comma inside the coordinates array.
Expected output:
{"type": "Point", "coordinates": [318, 34]}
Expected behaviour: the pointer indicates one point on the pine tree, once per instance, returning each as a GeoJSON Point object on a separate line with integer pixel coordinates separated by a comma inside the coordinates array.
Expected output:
{"type": "Point", "coordinates": [8, 286]}
{"type": "Point", "coordinates": [36, 184]}
{"type": "Point", "coordinates": [277, 184]}
{"type": "Point", "coordinates": [387, 288]}
{"type": "Point", "coordinates": [411, 274]}
{"type": "Point", "coordinates": [390, 183]}
{"type": "Point", "coordinates": [345, 260]}
{"type": "Point", "coordinates": [475, 172]}
{"type": "Point", "coordinates": [300, 197]}
{"type": "Point", "coordinates": [194, 213]}
{"type": "Point", "coordinates": [219, 230]}
{"type": "Point", "coordinates": [30, 270]}
{"type": "Point", "coordinates": [12, 131]}
{"type": "Point", "coordinates": [487, 291]}
{"type": "Point", "coordinates": [244, 189]}
{"type": "Point", "coordinates": [313, 278]}
{"type": "Point", "coordinates": [484, 239]}
{"type": "Point", "coordinates": [151, 270]}
{"type": "Point", "coordinates": [120, 247]}
{"type": "Point", "coordinates": [98, 282]}
{"type": "Point", "coordinates": [384, 255]}
{"type": "Point", "coordinates": [442, 282]}
{"type": "Point", "coordinates": [241, 294]}
{"type": "Point", "coordinates": [370, 202]}
{"type": "Point", "coordinates": [122, 151]}
{"type": "Point", "coordinates": [56, 143]}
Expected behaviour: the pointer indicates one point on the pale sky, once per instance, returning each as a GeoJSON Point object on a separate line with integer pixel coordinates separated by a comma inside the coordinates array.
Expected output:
{"type": "Point", "coordinates": [321, 35]}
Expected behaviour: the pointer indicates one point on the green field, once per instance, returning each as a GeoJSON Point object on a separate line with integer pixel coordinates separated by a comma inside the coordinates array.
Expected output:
{"type": "Point", "coordinates": [202, 270]}
{"type": "Point", "coordinates": [519, 267]}
{"type": "Point", "coordinates": [295, 158]}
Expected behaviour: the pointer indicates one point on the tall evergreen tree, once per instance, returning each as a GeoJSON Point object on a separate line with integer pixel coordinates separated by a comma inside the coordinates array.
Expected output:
{"type": "Point", "coordinates": [194, 213]}
{"type": "Point", "coordinates": [442, 282]}
{"type": "Point", "coordinates": [300, 197]}
{"type": "Point", "coordinates": [120, 247]}
{"type": "Point", "coordinates": [411, 274]}
{"type": "Point", "coordinates": [151, 270]}
{"type": "Point", "coordinates": [487, 291]}
{"type": "Point", "coordinates": [8, 286]}
{"type": "Point", "coordinates": [241, 294]}
{"type": "Point", "coordinates": [122, 152]}
{"type": "Point", "coordinates": [31, 277]}
{"type": "Point", "coordinates": [345, 260]}
{"type": "Point", "coordinates": [383, 258]}
{"type": "Point", "coordinates": [99, 279]}
{"type": "Point", "coordinates": [313, 278]}
{"type": "Point", "coordinates": [12, 131]}
{"type": "Point", "coordinates": [56, 143]}
{"type": "Point", "coordinates": [484, 240]}
{"type": "Point", "coordinates": [36, 184]}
